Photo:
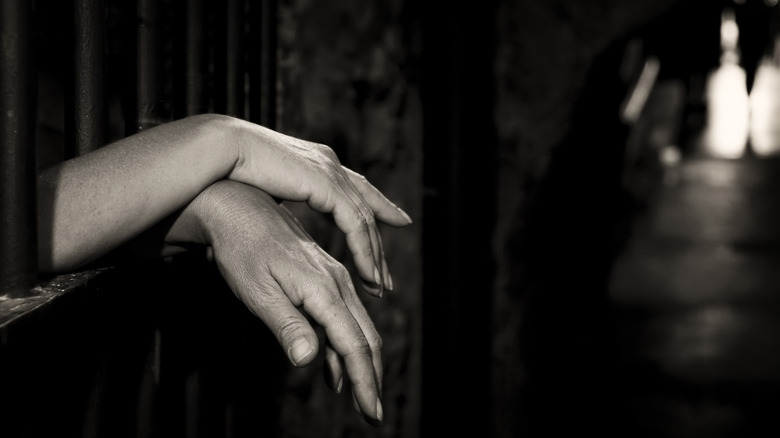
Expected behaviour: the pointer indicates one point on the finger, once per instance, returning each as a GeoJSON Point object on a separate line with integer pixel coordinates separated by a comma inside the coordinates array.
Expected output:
{"type": "Point", "coordinates": [362, 252]}
{"type": "Point", "coordinates": [359, 229]}
{"type": "Point", "coordinates": [367, 326]}
{"type": "Point", "coordinates": [355, 402]}
{"type": "Point", "coordinates": [386, 284]}
{"type": "Point", "coordinates": [384, 273]}
{"type": "Point", "coordinates": [291, 328]}
{"type": "Point", "coordinates": [387, 280]}
{"type": "Point", "coordinates": [333, 192]}
{"type": "Point", "coordinates": [331, 300]}
{"type": "Point", "coordinates": [348, 340]}
{"type": "Point", "coordinates": [334, 370]}
{"type": "Point", "coordinates": [373, 233]}
{"type": "Point", "coordinates": [384, 210]}
{"type": "Point", "coordinates": [372, 288]}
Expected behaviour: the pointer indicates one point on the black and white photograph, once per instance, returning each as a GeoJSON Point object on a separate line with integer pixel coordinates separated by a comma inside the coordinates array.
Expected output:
{"type": "Point", "coordinates": [389, 218]}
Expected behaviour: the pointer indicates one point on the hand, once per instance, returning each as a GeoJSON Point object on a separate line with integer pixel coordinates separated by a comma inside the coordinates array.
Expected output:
{"type": "Point", "coordinates": [90, 205]}
{"type": "Point", "coordinates": [297, 170]}
{"type": "Point", "coordinates": [275, 268]}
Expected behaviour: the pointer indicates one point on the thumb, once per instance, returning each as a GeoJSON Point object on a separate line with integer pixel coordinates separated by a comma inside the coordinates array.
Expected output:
{"type": "Point", "coordinates": [291, 328]}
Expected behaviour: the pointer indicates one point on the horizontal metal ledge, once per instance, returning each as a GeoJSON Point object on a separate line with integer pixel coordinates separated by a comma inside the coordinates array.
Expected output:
{"type": "Point", "coordinates": [15, 313]}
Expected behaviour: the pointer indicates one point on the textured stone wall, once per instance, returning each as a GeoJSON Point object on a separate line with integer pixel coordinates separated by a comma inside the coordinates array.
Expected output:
{"type": "Point", "coordinates": [347, 80]}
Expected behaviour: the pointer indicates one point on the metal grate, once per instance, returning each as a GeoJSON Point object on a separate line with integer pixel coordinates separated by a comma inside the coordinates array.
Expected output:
{"type": "Point", "coordinates": [170, 59]}
{"type": "Point", "coordinates": [113, 351]}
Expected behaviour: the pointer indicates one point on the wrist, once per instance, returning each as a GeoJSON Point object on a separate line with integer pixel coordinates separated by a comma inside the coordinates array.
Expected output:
{"type": "Point", "coordinates": [197, 221]}
{"type": "Point", "coordinates": [211, 215]}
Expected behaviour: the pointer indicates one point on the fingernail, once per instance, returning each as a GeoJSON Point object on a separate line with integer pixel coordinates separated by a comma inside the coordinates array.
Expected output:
{"type": "Point", "coordinates": [406, 216]}
{"type": "Point", "coordinates": [388, 278]}
{"type": "Point", "coordinates": [380, 415]}
{"type": "Point", "coordinates": [377, 277]}
{"type": "Point", "coordinates": [299, 351]}
{"type": "Point", "coordinates": [339, 385]}
{"type": "Point", "coordinates": [372, 288]}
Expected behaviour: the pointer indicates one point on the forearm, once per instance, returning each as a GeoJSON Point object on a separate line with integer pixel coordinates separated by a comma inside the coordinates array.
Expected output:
{"type": "Point", "coordinates": [220, 212]}
{"type": "Point", "coordinates": [222, 208]}
{"type": "Point", "coordinates": [90, 205]}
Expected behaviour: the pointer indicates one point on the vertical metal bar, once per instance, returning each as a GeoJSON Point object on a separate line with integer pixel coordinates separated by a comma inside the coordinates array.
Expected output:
{"type": "Point", "coordinates": [87, 122]}
{"type": "Point", "coordinates": [18, 165]}
{"type": "Point", "coordinates": [235, 58]}
{"type": "Point", "coordinates": [219, 56]}
{"type": "Point", "coordinates": [262, 52]}
{"type": "Point", "coordinates": [195, 59]}
{"type": "Point", "coordinates": [148, 74]}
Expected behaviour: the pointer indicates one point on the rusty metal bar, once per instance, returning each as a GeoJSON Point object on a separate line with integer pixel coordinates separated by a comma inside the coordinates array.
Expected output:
{"type": "Point", "coordinates": [196, 67]}
{"type": "Point", "coordinates": [149, 65]}
{"type": "Point", "coordinates": [263, 63]}
{"type": "Point", "coordinates": [18, 166]}
{"type": "Point", "coordinates": [87, 124]}
{"type": "Point", "coordinates": [235, 58]}
{"type": "Point", "coordinates": [219, 56]}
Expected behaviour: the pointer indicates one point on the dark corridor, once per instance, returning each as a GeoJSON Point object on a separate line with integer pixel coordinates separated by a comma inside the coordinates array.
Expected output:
{"type": "Point", "coordinates": [654, 309]}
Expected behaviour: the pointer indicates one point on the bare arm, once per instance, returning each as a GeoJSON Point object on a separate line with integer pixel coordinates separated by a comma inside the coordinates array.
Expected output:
{"type": "Point", "coordinates": [92, 204]}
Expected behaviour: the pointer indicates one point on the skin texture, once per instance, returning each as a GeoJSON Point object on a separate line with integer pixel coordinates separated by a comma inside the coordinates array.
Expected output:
{"type": "Point", "coordinates": [221, 175]}
{"type": "Point", "coordinates": [92, 204]}
{"type": "Point", "coordinates": [276, 268]}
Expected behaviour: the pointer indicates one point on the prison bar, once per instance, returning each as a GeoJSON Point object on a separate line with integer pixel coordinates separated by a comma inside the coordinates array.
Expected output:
{"type": "Point", "coordinates": [87, 122]}
{"type": "Point", "coordinates": [234, 83]}
{"type": "Point", "coordinates": [106, 351]}
{"type": "Point", "coordinates": [219, 57]}
{"type": "Point", "coordinates": [149, 69]}
{"type": "Point", "coordinates": [18, 165]}
{"type": "Point", "coordinates": [195, 69]}
{"type": "Point", "coordinates": [262, 62]}
{"type": "Point", "coordinates": [84, 322]}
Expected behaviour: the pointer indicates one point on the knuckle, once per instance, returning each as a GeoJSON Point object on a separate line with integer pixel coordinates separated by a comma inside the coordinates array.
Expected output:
{"type": "Point", "coordinates": [370, 219]}
{"type": "Point", "coordinates": [287, 327]}
{"type": "Point", "coordinates": [342, 274]}
{"type": "Point", "coordinates": [323, 297]}
{"type": "Point", "coordinates": [360, 218]}
{"type": "Point", "coordinates": [375, 342]}
{"type": "Point", "coordinates": [323, 290]}
{"type": "Point", "coordinates": [327, 152]}
{"type": "Point", "coordinates": [359, 347]}
{"type": "Point", "coordinates": [308, 287]}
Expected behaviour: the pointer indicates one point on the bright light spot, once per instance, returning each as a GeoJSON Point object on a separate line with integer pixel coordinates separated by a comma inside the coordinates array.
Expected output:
{"type": "Point", "coordinates": [632, 107]}
{"type": "Point", "coordinates": [670, 155]}
{"type": "Point", "coordinates": [765, 111]}
{"type": "Point", "coordinates": [729, 31]}
{"type": "Point", "coordinates": [727, 112]}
